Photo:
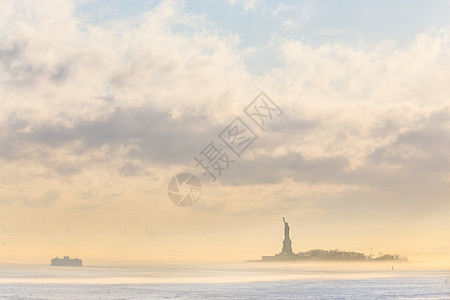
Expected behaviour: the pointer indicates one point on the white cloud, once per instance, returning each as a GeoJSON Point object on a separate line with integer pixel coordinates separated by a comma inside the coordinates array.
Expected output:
{"type": "Point", "coordinates": [122, 99]}
{"type": "Point", "coordinates": [310, 10]}
{"type": "Point", "coordinates": [246, 4]}
{"type": "Point", "coordinates": [69, 70]}
{"type": "Point", "coordinates": [282, 8]}
{"type": "Point", "coordinates": [292, 25]}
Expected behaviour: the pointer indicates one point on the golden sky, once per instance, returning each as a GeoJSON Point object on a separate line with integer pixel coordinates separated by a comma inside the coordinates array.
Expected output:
{"type": "Point", "coordinates": [97, 115]}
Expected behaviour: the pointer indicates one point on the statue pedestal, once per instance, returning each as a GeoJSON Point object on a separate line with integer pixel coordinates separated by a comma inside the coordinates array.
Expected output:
{"type": "Point", "coordinates": [281, 257]}
{"type": "Point", "coordinates": [287, 246]}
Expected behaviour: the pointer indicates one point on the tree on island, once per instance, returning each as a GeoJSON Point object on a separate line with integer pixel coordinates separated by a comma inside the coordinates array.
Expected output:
{"type": "Point", "coordinates": [321, 254]}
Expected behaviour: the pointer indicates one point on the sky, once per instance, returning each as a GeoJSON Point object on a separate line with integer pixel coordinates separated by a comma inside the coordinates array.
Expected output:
{"type": "Point", "coordinates": [102, 103]}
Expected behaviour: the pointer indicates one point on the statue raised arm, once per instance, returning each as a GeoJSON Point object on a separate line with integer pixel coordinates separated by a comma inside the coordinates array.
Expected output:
{"type": "Point", "coordinates": [286, 229]}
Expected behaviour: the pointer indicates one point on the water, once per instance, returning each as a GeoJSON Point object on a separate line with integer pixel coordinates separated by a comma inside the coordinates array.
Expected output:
{"type": "Point", "coordinates": [224, 281]}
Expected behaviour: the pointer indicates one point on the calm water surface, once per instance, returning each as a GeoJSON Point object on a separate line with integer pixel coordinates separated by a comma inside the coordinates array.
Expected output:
{"type": "Point", "coordinates": [224, 281]}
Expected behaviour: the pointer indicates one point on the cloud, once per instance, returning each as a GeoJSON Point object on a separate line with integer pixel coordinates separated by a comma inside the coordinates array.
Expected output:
{"type": "Point", "coordinates": [246, 4]}
{"type": "Point", "coordinates": [71, 73]}
{"type": "Point", "coordinates": [292, 25]}
{"type": "Point", "coordinates": [138, 97]}
{"type": "Point", "coordinates": [420, 151]}
{"type": "Point", "coordinates": [146, 133]}
{"type": "Point", "coordinates": [282, 8]}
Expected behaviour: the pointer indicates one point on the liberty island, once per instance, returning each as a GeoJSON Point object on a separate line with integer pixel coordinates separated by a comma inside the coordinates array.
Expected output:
{"type": "Point", "coordinates": [287, 254]}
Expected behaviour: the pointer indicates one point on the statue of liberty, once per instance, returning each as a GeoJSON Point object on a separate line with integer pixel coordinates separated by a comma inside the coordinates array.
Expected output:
{"type": "Point", "coordinates": [287, 244]}
{"type": "Point", "coordinates": [286, 253]}
{"type": "Point", "coordinates": [286, 230]}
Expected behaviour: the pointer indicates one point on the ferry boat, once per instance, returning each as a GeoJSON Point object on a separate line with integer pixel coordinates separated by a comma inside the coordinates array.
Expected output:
{"type": "Point", "coordinates": [66, 261]}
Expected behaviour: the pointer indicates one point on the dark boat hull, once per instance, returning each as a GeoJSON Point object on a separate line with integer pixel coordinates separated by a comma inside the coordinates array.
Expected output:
{"type": "Point", "coordinates": [66, 261]}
